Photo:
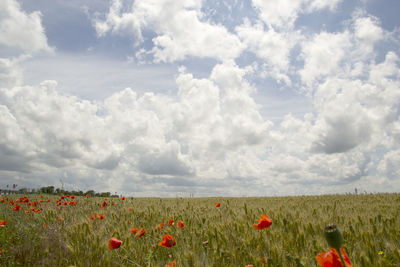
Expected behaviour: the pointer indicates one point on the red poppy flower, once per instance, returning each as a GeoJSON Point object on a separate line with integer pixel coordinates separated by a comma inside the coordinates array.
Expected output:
{"type": "Point", "coordinates": [3, 223]}
{"type": "Point", "coordinates": [171, 264]}
{"type": "Point", "coordinates": [122, 198]}
{"type": "Point", "coordinates": [104, 204]}
{"type": "Point", "coordinates": [93, 216]}
{"type": "Point", "coordinates": [16, 208]}
{"type": "Point", "coordinates": [170, 222]}
{"type": "Point", "coordinates": [331, 258]}
{"type": "Point", "coordinates": [160, 226]}
{"type": "Point", "coordinates": [114, 243]}
{"type": "Point", "coordinates": [167, 241]}
{"type": "Point", "coordinates": [181, 225]}
{"type": "Point", "coordinates": [36, 210]}
{"type": "Point", "coordinates": [87, 196]}
{"type": "Point", "coordinates": [263, 223]}
{"type": "Point", "coordinates": [101, 216]}
{"type": "Point", "coordinates": [218, 205]}
{"type": "Point", "coordinates": [134, 230]}
{"type": "Point", "coordinates": [141, 232]}
{"type": "Point", "coordinates": [23, 200]}
{"type": "Point", "coordinates": [72, 197]}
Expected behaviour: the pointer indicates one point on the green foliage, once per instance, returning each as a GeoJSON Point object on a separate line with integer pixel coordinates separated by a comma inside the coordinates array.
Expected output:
{"type": "Point", "coordinates": [223, 236]}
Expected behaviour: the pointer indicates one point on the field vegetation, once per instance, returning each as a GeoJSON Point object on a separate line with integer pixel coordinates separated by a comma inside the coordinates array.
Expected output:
{"type": "Point", "coordinates": [51, 230]}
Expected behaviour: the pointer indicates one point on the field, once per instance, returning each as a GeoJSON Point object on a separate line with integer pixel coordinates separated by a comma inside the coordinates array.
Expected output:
{"type": "Point", "coordinates": [76, 231]}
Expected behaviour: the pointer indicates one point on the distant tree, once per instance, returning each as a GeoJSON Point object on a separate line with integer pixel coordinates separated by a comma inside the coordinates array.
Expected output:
{"type": "Point", "coordinates": [90, 193]}
{"type": "Point", "coordinates": [47, 190]}
{"type": "Point", "coordinates": [104, 194]}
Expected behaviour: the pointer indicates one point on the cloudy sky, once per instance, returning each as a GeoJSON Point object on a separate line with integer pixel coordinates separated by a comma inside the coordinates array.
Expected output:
{"type": "Point", "coordinates": [211, 98]}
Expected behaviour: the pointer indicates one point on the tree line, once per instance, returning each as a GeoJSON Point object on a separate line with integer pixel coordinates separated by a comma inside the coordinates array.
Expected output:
{"type": "Point", "coordinates": [51, 190]}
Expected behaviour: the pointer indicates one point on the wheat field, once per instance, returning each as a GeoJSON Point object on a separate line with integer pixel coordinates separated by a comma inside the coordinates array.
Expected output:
{"type": "Point", "coordinates": [50, 230]}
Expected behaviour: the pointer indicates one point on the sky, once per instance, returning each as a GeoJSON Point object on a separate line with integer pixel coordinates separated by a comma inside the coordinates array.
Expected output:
{"type": "Point", "coordinates": [170, 98]}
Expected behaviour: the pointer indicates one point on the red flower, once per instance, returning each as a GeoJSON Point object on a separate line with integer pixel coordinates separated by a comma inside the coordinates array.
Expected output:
{"type": "Point", "coordinates": [331, 258]}
{"type": "Point", "coordinates": [72, 197]}
{"type": "Point", "coordinates": [141, 232]}
{"type": "Point", "coordinates": [160, 226]}
{"type": "Point", "coordinates": [181, 225]}
{"type": "Point", "coordinates": [114, 243]}
{"type": "Point", "coordinates": [104, 205]}
{"type": "Point", "coordinates": [87, 196]}
{"type": "Point", "coordinates": [93, 216]}
{"type": "Point", "coordinates": [101, 216]}
{"type": "Point", "coordinates": [3, 223]}
{"type": "Point", "coordinates": [167, 241]}
{"type": "Point", "coordinates": [170, 222]}
{"type": "Point", "coordinates": [23, 200]}
{"type": "Point", "coordinates": [122, 198]}
{"type": "Point", "coordinates": [134, 230]}
{"type": "Point", "coordinates": [171, 264]}
{"type": "Point", "coordinates": [16, 208]}
{"type": "Point", "coordinates": [218, 205]}
{"type": "Point", "coordinates": [36, 210]}
{"type": "Point", "coordinates": [59, 218]}
{"type": "Point", "coordinates": [263, 223]}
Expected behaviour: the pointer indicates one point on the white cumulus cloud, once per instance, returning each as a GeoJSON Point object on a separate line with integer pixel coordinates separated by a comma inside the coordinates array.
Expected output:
{"type": "Point", "coordinates": [179, 27]}
{"type": "Point", "coordinates": [21, 30]}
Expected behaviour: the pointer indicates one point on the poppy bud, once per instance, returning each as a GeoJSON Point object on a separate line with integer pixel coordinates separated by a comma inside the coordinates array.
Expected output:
{"type": "Point", "coordinates": [114, 243]}
{"type": "Point", "coordinates": [333, 236]}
